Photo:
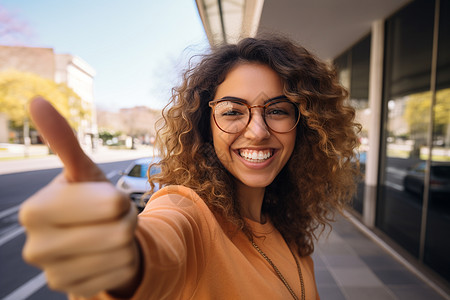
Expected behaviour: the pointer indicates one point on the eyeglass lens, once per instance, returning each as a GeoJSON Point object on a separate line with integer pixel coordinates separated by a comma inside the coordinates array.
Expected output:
{"type": "Point", "coordinates": [233, 116]}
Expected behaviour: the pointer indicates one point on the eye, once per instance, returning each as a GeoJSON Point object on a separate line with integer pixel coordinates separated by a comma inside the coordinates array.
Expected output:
{"type": "Point", "coordinates": [230, 109]}
{"type": "Point", "coordinates": [279, 110]}
{"type": "Point", "coordinates": [276, 111]}
{"type": "Point", "coordinates": [231, 112]}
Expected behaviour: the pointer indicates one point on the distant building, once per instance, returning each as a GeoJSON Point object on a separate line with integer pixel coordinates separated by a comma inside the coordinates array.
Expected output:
{"type": "Point", "coordinates": [79, 76]}
{"type": "Point", "coordinates": [40, 61]}
{"type": "Point", "coordinates": [137, 122]}
{"type": "Point", "coordinates": [62, 68]}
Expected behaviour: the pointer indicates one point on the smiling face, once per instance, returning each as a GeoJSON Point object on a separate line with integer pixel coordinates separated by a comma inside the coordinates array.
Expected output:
{"type": "Point", "coordinates": [256, 155]}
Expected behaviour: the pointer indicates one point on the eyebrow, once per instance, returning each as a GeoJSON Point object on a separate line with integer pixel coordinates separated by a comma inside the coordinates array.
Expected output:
{"type": "Point", "coordinates": [243, 100]}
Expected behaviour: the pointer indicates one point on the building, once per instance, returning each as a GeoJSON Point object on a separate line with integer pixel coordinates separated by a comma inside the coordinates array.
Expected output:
{"type": "Point", "coordinates": [394, 58]}
{"type": "Point", "coordinates": [135, 122]}
{"type": "Point", "coordinates": [79, 76]}
{"type": "Point", "coordinates": [62, 68]}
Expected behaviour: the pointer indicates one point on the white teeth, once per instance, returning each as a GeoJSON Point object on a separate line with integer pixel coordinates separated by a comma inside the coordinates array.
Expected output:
{"type": "Point", "coordinates": [254, 155]}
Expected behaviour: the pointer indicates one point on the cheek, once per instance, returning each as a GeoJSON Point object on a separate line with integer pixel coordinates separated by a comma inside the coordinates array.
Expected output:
{"type": "Point", "coordinates": [290, 142]}
{"type": "Point", "coordinates": [222, 146]}
{"type": "Point", "coordinates": [221, 143]}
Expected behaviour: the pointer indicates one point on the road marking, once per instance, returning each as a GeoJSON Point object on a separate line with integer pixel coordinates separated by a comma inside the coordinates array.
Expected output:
{"type": "Point", "coordinates": [398, 187]}
{"type": "Point", "coordinates": [111, 174]}
{"type": "Point", "coordinates": [27, 289]}
{"type": "Point", "coordinates": [11, 235]}
{"type": "Point", "coordinates": [9, 211]}
{"type": "Point", "coordinates": [396, 171]}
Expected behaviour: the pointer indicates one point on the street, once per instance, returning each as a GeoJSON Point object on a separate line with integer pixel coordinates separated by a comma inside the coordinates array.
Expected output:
{"type": "Point", "coordinates": [18, 279]}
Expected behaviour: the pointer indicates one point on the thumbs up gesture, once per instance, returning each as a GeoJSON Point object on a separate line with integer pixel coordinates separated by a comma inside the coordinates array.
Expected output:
{"type": "Point", "coordinates": [80, 229]}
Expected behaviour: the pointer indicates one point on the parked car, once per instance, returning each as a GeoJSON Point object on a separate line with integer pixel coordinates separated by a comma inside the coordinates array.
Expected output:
{"type": "Point", "coordinates": [134, 181]}
{"type": "Point", "coordinates": [439, 178]}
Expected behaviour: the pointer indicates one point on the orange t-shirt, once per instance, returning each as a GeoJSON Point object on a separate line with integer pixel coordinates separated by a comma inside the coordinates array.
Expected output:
{"type": "Point", "coordinates": [187, 255]}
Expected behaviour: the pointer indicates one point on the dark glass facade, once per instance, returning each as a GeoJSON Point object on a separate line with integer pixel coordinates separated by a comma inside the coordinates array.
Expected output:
{"type": "Point", "coordinates": [413, 190]}
{"type": "Point", "coordinates": [437, 243]}
{"type": "Point", "coordinates": [406, 103]}
{"type": "Point", "coordinates": [353, 71]}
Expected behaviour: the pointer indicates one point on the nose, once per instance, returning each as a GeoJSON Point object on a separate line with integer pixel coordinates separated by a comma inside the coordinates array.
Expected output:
{"type": "Point", "coordinates": [257, 128]}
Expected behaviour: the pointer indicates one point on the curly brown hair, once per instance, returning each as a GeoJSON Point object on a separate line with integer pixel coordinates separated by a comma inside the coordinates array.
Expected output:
{"type": "Point", "coordinates": [319, 176]}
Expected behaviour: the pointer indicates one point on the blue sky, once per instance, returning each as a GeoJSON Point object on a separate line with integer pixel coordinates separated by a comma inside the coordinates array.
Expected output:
{"type": "Point", "coordinates": [137, 47]}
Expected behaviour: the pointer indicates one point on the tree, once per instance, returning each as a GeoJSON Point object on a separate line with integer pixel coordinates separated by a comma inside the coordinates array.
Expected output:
{"type": "Point", "coordinates": [12, 30]}
{"type": "Point", "coordinates": [18, 88]}
{"type": "Point", "coordinates": [418, 111]}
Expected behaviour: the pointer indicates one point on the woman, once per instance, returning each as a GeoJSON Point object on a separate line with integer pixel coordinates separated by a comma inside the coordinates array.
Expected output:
{"type": "Point", "coordinates": [257, 147]}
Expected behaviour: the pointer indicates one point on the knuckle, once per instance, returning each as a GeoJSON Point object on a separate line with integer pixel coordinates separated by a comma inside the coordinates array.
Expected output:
{"type": "Point", "coordinates": [31, 255]}
{"type": "Point", "coordinates": [28, 255]}
{"type": "Point", "coordinates": [27, 213]}
{"type": "Point", "coordinates": [55, 282]}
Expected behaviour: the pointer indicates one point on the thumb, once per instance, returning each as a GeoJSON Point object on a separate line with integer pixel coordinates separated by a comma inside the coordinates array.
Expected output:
{"type": "Point", "coordinates": [59, 135]}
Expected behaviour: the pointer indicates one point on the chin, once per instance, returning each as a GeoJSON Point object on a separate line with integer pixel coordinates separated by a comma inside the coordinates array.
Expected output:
{"type": "Point", "coordinates": [257, 182]}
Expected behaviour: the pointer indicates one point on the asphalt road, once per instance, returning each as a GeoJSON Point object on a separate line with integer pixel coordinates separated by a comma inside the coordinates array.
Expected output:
{"type": "Point", "coordinates": [19, 280]}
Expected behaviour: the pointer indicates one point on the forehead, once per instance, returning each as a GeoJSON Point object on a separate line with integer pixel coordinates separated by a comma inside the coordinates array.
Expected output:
{"type": "Point", "coordinates": [250, 81]}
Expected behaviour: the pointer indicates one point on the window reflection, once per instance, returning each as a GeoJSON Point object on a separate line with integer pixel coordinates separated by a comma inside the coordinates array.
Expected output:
{"type": "Point", "coordinates": [353, 72]}
{"type": "Point", "coordinates": [437, 245]}
{"type": "Point", "coordinates": [407, 120]}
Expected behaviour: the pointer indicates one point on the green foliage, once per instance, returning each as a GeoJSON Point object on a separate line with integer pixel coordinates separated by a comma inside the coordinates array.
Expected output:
{"type": "Point", "coordinates": [418, 111]}
{"type": "Point", "coordinates": [108, 136]}
{"type": "Point", "coordinates": [18, 88]}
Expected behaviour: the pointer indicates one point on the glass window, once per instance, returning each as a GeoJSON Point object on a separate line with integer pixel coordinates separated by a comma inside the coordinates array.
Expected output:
{"type": "Point", "coordinates": [135, 171]}
{"type": "Point", "coordinates": [437, 244]}
{"type": "Point", "coordinates": [409, 39]}
{"type": "Point", "coordinates": [353, 71]}
{"type": "Point", "coordinates": [359, 87]}
{"type": "Point", "coordinates": [407, 100]}
{"type": "Point", "coordinates": [342, 67]}
{"type": "Point", "coordinates": [359, 98]}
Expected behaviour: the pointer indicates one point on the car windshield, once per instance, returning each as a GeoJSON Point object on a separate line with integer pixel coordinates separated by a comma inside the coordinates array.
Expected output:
{"type": "Point", "coordinates": [140, 170]}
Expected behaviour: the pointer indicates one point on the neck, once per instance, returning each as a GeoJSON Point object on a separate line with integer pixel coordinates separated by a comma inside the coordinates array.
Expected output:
{"type": "Point", "coordinates": [250, 200]}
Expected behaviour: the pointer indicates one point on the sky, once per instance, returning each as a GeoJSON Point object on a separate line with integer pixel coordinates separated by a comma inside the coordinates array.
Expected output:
{"type": "Point", "coordinates": [138, 48]}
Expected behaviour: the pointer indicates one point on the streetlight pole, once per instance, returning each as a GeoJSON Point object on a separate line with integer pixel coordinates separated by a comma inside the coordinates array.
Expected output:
{"type": "Point", "coordinates": [26, 137]}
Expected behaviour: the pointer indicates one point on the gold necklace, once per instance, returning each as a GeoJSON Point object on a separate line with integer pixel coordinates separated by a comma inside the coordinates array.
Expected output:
{"type": "Point", "coordinates": [281, 275]}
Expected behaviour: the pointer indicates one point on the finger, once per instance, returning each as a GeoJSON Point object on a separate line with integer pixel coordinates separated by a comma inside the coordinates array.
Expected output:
{"type": "Point", "coordinates": [61, 139]}
{"type": "Point", "coordinates": [84, 203]}
{"type": "Point", "coordinates": [105, 282]}
{"type": "Point", "coordinates": [63, 274]}
{"type": "Point", "coordinates": [54, 243]}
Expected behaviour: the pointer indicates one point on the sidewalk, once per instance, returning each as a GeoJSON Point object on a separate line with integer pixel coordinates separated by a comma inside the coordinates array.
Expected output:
{"type": "Point", "coordinates": [41, 160]}
{"type": "Point", "coordinates": [352, 265]}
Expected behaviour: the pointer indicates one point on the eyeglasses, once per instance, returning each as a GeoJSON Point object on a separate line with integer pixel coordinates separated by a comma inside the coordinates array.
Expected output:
{"type": "Point", "coordinates": [232, 115]}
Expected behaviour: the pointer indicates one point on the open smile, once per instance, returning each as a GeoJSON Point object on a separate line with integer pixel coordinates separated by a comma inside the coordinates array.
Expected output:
{"type": "Point", "coordinates": [255, 156]}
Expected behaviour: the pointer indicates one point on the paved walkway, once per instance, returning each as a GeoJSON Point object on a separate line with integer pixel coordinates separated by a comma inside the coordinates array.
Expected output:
{"type": "Point", "coordinates": [39, 162]}
{"type": "Point", "coordinates": [352, 265]}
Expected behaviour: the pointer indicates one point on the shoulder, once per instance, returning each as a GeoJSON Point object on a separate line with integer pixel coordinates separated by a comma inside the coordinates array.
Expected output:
{"type": "Point", "coordinates": [176, 199]}
{"type": "Point", "coordinates": [309, 261]}
{"type": "Point", "coordinates": [176, 192]}
{"type": "Point", "coordinates": [178, 196]}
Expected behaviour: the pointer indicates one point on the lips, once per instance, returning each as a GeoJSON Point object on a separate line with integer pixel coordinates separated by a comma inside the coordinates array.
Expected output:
{"type": "Point", "coordinates": [251, 155]}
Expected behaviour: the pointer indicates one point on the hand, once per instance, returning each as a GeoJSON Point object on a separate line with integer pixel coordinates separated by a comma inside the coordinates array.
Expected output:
{"type": "Point", "coordinates": [80, 229]}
